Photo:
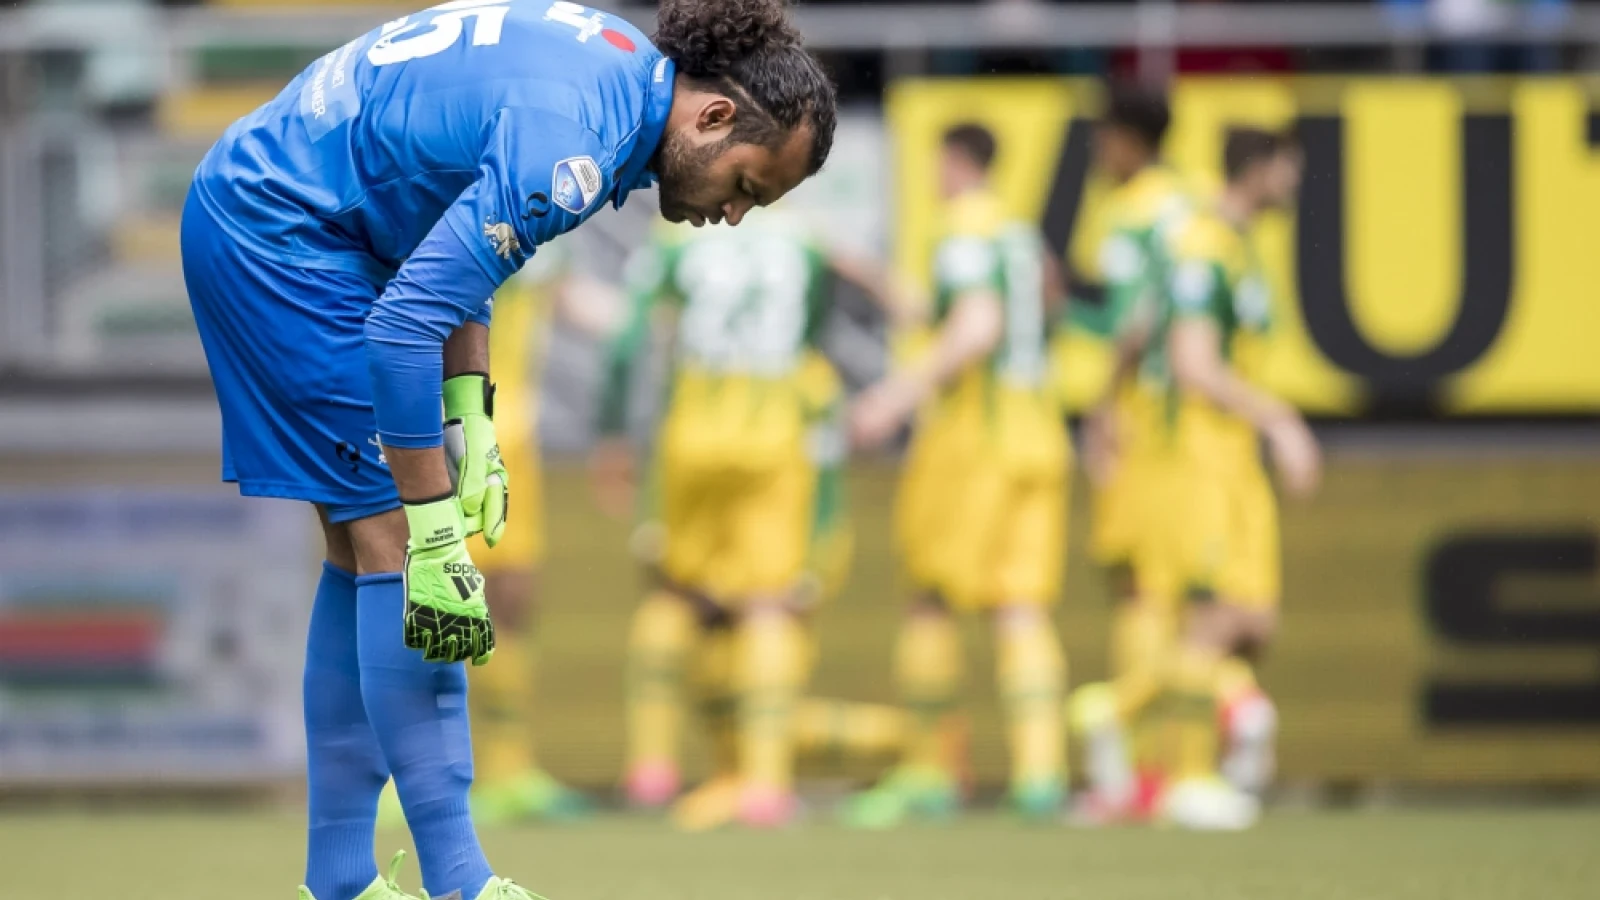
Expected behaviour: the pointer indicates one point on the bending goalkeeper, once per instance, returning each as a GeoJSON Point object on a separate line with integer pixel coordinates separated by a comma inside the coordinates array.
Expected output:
{"type": "Point", "coordinates": [340, 245]}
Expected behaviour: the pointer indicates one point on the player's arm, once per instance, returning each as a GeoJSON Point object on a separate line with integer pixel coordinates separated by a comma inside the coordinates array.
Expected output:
{"type": "Point", "coordinates": [970, 269]}
{"type": "Point", "coordinates": [900, 303]}
{"type": "Point", "coordinates": [969, 333]}
{"type": "Point", "coordinates": [484, 237]}
{"type": "Point", "coordinates": [1194, 346]}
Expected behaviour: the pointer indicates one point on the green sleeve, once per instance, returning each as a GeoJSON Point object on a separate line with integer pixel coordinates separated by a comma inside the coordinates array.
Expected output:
{"type": "Point", "coordinates": [962, 264]}
{"type": "Point", "coordinates": [647, 277]}
{"type": "Point", "coordinates": [1126, 260]}
{"type": "Point", "coordinates": [1196, 287]}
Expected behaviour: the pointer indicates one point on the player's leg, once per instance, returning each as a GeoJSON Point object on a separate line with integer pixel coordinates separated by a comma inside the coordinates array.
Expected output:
{"type": "Point", "coordinates": [345, 768]}
{"type": "Point", "coordinates": [714, 673]}
{"type": "Point", "coordinates": [1030, 672]}
{"type": "Point", "coordinates": [929, 668]}
{"type": "Point", "coordinates": [1253, 580]}
{"type": "Point", "coordinates": [1030, 529]}
{"type": "Point", "coordinates": [660, 643]}
{"type": "Point", "coordinates": [773, 660]}
{"type": "Point", "coordinates": [765, 541]}
{"type": "Point", "coordinates": [419, 713]}
{"type": "Point", "coordinates": [1198, 797]}
{"type": "Point", "coordinates": [1249, 726]}
{"type": "Point", "coordinates": [1127, 719]}
{"type": "Point", "coordinates": [264, 327]}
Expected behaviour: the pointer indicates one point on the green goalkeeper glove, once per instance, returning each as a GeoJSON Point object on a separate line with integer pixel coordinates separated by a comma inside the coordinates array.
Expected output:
{"type": "Point", "coordinates": [473, 452]}
{"type": "Point", "coordinates": [446, 616]}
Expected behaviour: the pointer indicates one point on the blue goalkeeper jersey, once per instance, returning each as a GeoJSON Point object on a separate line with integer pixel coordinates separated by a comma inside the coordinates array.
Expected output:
{"type": "Point", "coordinates": [432, 156]}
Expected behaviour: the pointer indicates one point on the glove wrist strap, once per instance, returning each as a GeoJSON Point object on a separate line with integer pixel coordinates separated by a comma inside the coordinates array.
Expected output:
{"type": "Point", "coordinates": [468, 394]}
{"type": "Point", "coordinates": [435, 523]}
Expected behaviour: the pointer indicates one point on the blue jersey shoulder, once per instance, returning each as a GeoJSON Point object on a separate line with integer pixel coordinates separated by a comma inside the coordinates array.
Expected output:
{"type": "Point", "coordinates": [365, 152]}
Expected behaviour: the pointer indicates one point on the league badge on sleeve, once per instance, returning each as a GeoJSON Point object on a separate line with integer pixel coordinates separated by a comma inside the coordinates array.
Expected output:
{"type": "Point", "coordinates": [575, 183]}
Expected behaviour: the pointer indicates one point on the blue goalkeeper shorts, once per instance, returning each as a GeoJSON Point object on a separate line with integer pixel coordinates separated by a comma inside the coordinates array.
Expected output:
{"type": "Point", "coordinates": [287, 352]}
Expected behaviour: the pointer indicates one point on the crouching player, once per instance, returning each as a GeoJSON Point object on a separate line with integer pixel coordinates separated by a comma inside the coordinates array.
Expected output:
{"type": "Point", "coordinates": [340, 245]}
{"type": "Point", "coordinates": [737, 489]}
{"type": "Point", "coordinates": [981, 515]}
{"type": "Point", "coordinates": [1216, 542]}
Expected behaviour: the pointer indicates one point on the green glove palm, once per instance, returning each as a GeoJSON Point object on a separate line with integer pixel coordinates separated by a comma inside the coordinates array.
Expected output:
{"type": "Point", "coordinates": [473, 452]}
{"type": "Point", "coordinates": [446, 616]}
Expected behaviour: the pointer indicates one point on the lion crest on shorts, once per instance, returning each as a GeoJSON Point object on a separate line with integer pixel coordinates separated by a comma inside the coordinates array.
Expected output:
{"type": "Point", "coordinates": [502, 238]}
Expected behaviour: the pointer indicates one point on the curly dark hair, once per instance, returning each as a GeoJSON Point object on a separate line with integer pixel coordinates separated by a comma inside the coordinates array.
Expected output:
{"type": "Point", "coordinates": [749, 51]}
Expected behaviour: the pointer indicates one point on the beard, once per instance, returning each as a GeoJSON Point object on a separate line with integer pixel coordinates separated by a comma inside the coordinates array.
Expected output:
{"type": "Point", "coordinates": [681, 174]}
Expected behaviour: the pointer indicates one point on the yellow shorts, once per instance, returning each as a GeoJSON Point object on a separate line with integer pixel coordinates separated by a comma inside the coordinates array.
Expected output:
{"type": "Point", "coordinates": [1252, 573]}
{"type": "Point", "coordinates": [1212, 523]}
{"type": "Point", "coordinates": [925, 499]}
{"type": "Point", "coordinates": [1114, 519]}
{"type": "Point", "coordinates": [522, 546]}
{"type": "Point", "coordinates": [1117, 506]}
{"type": "Point", "coordinates": [1010, 542]}
{"type": "Point", "coordinates": [982, 512]}
{"type": "Point", "coordinates": [739, 534]}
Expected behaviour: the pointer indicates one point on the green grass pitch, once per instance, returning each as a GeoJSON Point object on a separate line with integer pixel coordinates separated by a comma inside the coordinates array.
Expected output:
{"type": "Point", "coordinates": [1456, 855]}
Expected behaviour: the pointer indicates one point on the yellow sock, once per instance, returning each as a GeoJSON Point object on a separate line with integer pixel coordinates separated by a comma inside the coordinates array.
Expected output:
{"type": "Point", "coordinates": [836, 730]}
{"type": "Point", "coordinates": [717, 695]}
{"type": "Point", "coordinates": [1192, 712]}
{"type": "Point", "coordinates": [502, 726]}
{"type": "Point", "coordinates": [1142, 636]}
{"type": "Point", "coordinates": [773, 660]}
{"type": "Point", "coordinates": [663, 633]}
{"type": "Point", "coordinates": [1031, 672]}
{"type": "Point", "coordinates": [928, 667]}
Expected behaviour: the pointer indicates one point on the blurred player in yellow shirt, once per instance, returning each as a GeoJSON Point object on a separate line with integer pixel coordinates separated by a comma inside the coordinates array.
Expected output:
{"type": "Point", "coordinates": [747, 486]}
{"type": "Point", "coordinates": [981, 514]}
{"type": "Point", "coordinates": [1150, 200]}
{"type": "Point", "coordinates": [1210, 532]}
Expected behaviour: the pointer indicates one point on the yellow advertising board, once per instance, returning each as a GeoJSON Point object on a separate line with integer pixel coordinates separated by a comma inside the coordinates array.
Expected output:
{"type": "Point", "coordinates": [1440, 261]}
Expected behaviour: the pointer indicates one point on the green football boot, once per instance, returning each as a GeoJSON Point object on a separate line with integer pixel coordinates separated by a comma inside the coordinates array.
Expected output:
{"type": "Point", "coordinates": [505, 889]}
{"type": "Point", "coordinates": [906, 793]}
{"type": "Point", "coordinates": [381, 888]}
{"type": "Point", "coordinates": [1038, 800]}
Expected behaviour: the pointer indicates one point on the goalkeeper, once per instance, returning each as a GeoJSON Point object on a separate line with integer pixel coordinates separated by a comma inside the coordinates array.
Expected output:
{"type": "Point", "coordinates": [339, 246]}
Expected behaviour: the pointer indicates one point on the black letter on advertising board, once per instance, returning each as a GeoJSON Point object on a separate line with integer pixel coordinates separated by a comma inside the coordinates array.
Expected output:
{"type": "Point", "coordinates": [1407, 386]}
{"type": "Point", "coordinates": [1465, 574]}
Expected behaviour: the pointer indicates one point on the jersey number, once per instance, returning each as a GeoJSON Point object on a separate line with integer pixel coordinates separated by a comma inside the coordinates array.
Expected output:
{"type": "Point", "coordinates": [402, 40]}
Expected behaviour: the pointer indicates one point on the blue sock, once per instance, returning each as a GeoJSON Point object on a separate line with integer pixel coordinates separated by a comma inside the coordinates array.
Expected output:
{"type": "Point", "coordinates": [345, 770]}
{"type": "Point", "coordinates": [419, 711]}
